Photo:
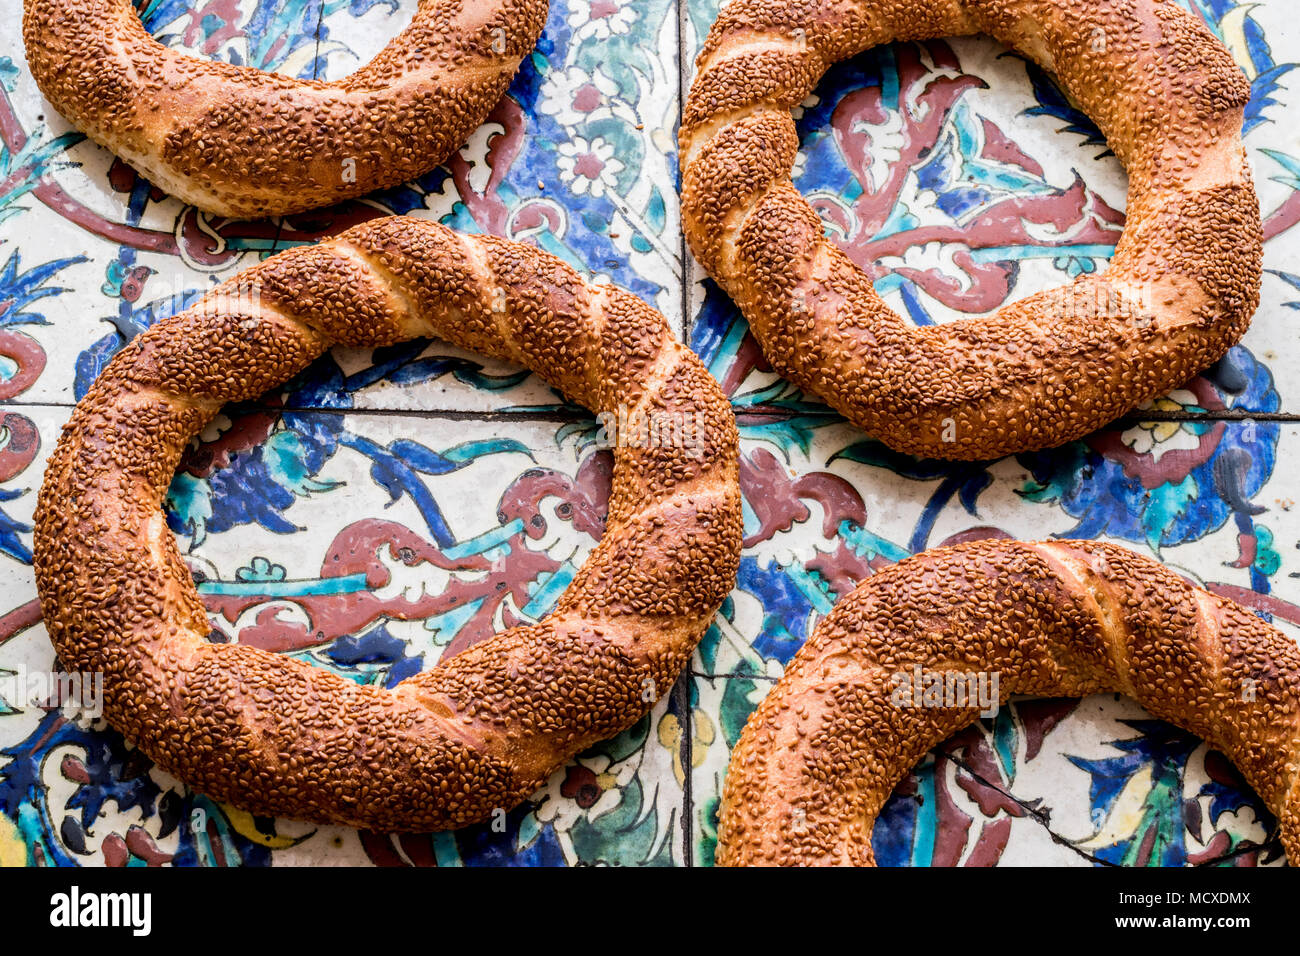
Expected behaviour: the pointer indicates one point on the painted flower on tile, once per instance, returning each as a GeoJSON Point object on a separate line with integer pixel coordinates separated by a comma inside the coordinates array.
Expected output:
{"type": "Point", "coordinates": [611, 805]}
{"type": "Point", "coordinates": [600, 19]}
{"type": "Point", "coordinates": [589, 166]}
{"type": "Point", "coordinates": [573, 95]}
{"type": "Point", "coordinates": [590, 787]}
{"type": "Point", "coordinates": [1159, 437]}
{"type": "Point", "coordinates": [1166, 486]}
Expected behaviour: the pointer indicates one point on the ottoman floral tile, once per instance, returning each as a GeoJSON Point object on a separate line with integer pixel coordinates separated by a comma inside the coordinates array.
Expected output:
{"type": "Point", "coordinates": [390, 507]}
{"type": "Point", "coordinates": [818, 520]}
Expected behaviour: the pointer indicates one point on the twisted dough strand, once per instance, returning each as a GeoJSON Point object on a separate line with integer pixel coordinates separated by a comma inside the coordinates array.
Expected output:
{"type": "Point", "coordinates": [240, 142]}
{"type": "Point", "coordinates": [1181, 289]}
{"type": "Point", "coordinates": [825, 749]}
{"type": "Point", "coordinates": [483, 729]}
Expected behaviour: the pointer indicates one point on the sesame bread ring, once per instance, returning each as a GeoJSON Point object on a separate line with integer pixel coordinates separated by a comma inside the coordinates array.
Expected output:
{"type": "Point", "coordinates": [243, 143]}
{"type": "Point", "coordinates": [825, 749]}
{"type": "Point", "coordinates": [484, 729]}
{"type": "Point", "coordinates": [1181, 288]}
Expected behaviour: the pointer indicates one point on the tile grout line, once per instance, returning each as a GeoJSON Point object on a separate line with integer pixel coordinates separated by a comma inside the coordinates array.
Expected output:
{"type": "Point", "coordinates": [561, 415]}
{"type": "Point", "coordinates": [315, 57]}
{"type": "Point", "coordinates": [733, 675]}
{"type": "Point", "coordinates": [682, 700]}
{"type": "Point", "coordinates": [685, 279]}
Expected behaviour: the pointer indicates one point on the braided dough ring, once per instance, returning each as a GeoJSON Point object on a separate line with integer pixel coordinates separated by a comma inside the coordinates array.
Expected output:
{"type": "Point", "coordinates": [243, 143]}
{"type": "Point", "coordinates": [482, 730]}
{"type": "Point", "coordinates": [1180, 290]}
{"type": "Point", "coordinates": [825, 749]}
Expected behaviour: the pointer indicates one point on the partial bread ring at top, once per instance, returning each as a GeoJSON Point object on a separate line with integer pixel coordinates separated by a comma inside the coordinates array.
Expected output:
{"type": "Point", "coordinates": [240, 142]}
{"type": "Point", "coordinates": [1180, 290]}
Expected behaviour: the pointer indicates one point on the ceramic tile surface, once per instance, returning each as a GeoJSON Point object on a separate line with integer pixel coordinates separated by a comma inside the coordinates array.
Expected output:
{"type": "Point", "coordinates": [954, 172]}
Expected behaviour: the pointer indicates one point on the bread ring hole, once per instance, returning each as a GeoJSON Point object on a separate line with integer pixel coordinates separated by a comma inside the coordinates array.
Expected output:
{"type": "Point", "coordinates": [1095, 803]}
{"type": "Point", "coordinates": [376, 546]}
{"type": "Point", "coordinates": [957, 176]}
{"type": "Point", "coordinates": [279, 37]}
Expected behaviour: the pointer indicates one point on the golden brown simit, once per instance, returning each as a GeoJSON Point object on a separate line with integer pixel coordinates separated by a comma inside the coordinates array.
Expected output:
{"type": "Point", "coordinates": [483, 729]}
{"type": "Point", "coordinates": [244, 143]}
{"type": "Point", "coordinates": [1180, 290]}
{"type": "Point", "coordinates": [825, 749]}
